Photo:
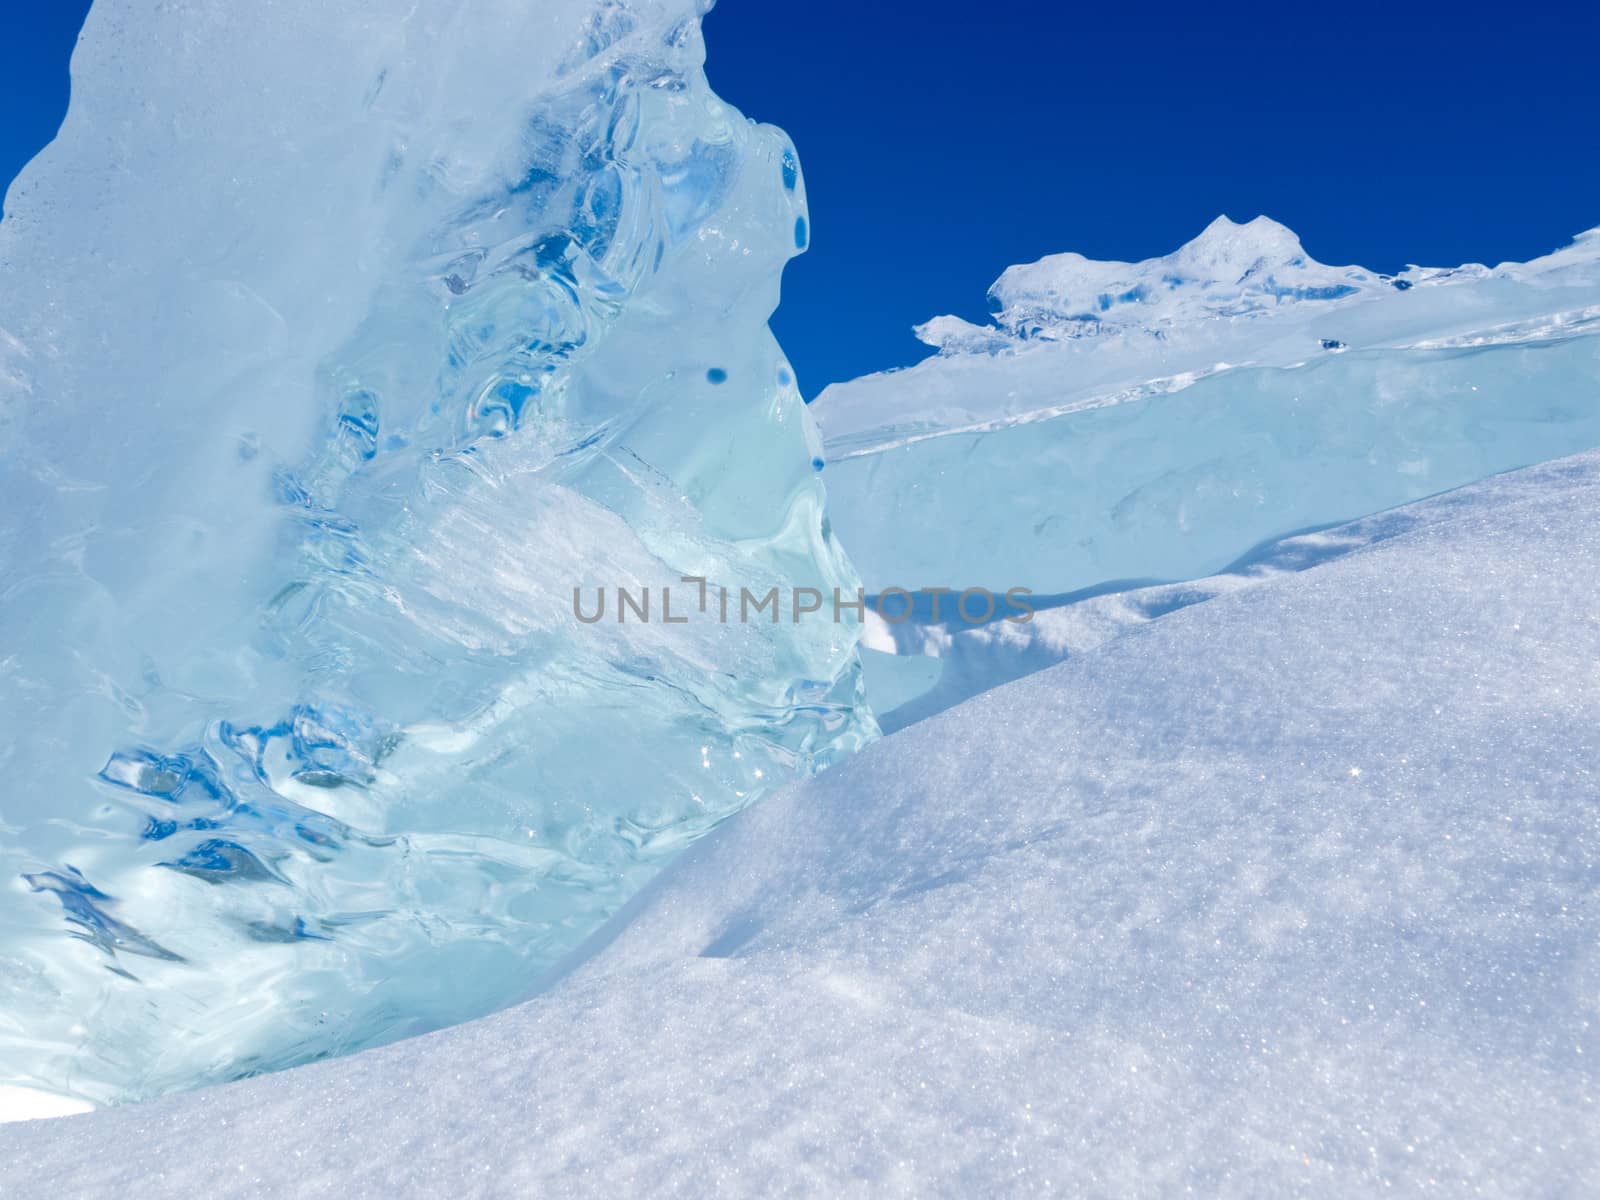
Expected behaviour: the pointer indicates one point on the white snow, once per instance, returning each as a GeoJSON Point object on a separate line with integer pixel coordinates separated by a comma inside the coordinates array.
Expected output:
{"type": "Point", "coordinates": [26, 1104]}
{"type": "Point", "coordinates": [1289, 892]}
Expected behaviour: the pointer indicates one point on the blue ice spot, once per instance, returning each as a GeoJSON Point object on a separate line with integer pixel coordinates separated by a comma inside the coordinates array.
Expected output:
{"type": "Point", "coordinates": [784, 378]}
{"type": "Point", "coordinates": [1134, 295]}
{"type": "Point", "coordinates": [219, 859]}
{"type": "Point", "coordinates": [85, 907]}
{"type": "Point", "coordinates": [817, 464]}
{"type": "Point", "coordinates": [791, 170]}
{"type": "Point", "coordinates": [1402, 285]}
{"type": "Point", "coordinates": [717, 375]}
{"type": "Point", "coordinates": [801, 233]}
{"type": "Point", "coordinates": [579, 447]}
{"type": "Point", "coordinates": [157, 831]}
{"type": "Point", "coordinates": [1337, 291]}
{"type": "Point", "coordinates": [1332, 344]}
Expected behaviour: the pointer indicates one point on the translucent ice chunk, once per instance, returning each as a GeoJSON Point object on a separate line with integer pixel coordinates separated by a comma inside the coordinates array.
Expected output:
{"type": "Point", "coordinates": [338, 346]}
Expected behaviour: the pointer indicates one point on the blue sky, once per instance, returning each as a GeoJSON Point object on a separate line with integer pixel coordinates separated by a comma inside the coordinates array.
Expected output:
{"type": "Point", "coordinates": [943, 141]}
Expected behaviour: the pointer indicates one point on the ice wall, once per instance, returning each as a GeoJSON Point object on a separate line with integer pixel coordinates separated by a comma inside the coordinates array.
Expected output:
{"type": "Point", "coordinates": [338, 345]}
{"type": "Point", "coordinates": [1156, 420]}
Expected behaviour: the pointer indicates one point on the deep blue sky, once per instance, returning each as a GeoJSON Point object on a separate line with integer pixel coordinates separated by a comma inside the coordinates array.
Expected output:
{"type": "Point", "coordinates": [943, 141]}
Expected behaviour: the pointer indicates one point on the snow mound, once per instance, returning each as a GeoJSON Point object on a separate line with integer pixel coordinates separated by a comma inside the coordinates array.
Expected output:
{"type": "Point", "coordinates": [1292, 891]}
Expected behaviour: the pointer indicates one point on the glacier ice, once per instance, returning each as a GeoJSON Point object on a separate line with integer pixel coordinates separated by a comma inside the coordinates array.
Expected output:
{"type": "Point", "coordinates": [1157, 420]}
{"type": "Point", "coordinates": [338, 345]}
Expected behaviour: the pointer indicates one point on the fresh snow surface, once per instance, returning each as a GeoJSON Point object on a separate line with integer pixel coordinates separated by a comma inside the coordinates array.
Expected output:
{"type": "Point", "coordinates": [1295, 891]}
{"type": "Point", "coordinates": [27, 1104]}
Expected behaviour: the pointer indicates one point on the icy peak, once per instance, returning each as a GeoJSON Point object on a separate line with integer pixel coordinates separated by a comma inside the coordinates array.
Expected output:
{"type": "Point", "coordinates": [1230, 269]}
{"type": "Point", "coordinates": [1226, 249]}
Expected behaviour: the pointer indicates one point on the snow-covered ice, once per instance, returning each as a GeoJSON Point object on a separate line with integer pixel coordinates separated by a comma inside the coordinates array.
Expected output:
{"type": "Point", "coordinates": [1156, 420]}
{"type": "Point", "coordinates": [1292, 891]}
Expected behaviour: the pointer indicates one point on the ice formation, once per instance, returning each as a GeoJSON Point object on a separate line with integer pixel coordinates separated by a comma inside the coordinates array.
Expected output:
{"type": "Point", "coordinates": [1288, 893]}
{"type": "Point", "coordinates": [1157, 420]}
{"type": "Point", "coordinates": [338, 345]}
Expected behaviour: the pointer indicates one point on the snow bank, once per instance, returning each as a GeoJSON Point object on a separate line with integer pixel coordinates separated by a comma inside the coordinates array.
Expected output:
{"type": "Point", "coordinates": [1288, 892]}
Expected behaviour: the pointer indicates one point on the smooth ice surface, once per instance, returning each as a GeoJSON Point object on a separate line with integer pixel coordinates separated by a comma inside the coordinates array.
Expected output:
{"type": "Point", "coordinates": [1290, 892]}
{"type": "Point", "coordinates": [1156, 420]}
{"type": "Point", "coordinates": [339, 343]}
